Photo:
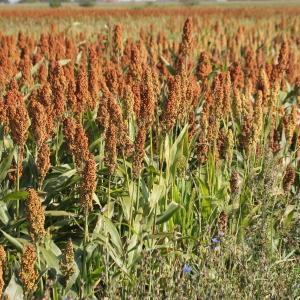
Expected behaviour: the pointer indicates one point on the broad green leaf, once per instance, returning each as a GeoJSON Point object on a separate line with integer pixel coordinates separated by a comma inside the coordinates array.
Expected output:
{"type": "Point", "coordinates": [177, 142]}
{"type": "Point", "coordinates": [49, 244]}
{"type": "Point", "coordinates": [50, 259]}
{"type": "Point", "coordinates": [110, 250]}
{"type": "Point", "coordinates": [56, 184]}
{"type": "Point", "coordinates": [167, 215]}
{"type": "Point", "coordinates": [157, 192]}
{"type": "Point", "coordinates": [59, 213]}
{"type": "Point", "coordinates": [12, 240]}
{"type": "Point", "coordinates": [110, 228]}
{"type": "Point", "coordinates": [4, 215]}
{"type": "Point", "coordinates": [18, 195]}
{"type": "Point", "coordinates": [126, 203]}
{"type": "Point", "coordinates": [95, 144]}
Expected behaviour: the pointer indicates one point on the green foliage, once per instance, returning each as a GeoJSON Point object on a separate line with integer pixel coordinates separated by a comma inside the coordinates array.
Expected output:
{"type": "Point", "coordinates": [55, 3]}
{"type": "Point", "coordinates": [142, 231]}
{"type": "Point", "coordinates": [87, 3]}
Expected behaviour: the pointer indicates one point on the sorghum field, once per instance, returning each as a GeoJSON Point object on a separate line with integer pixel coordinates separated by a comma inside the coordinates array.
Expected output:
{"type": "Point", "coordinates": [150, 153]}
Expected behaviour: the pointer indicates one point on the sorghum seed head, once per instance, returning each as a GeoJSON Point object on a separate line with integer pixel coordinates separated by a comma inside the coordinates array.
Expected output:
{"type": "Point", "coordinates": [35, 215]}
{"type": "Point", "coordinates": [39, 117]}
{"type": "Point", "coordinates": [171, 112]}
{"type": "Point", "coordinates": [43, 161]}
{"type": "Point", "coordinates": [2, 264]}
{"type": "Point", "coordinates": [28, 274]}
{"type": "Point", "coordinates": [289, 178]}
{"type": "Point", "coordinates": [204, 67]}
{"type": "Point", "coordinates": [187, 38]}
{"type": "Point", "coordinates": [88, 184]}
{"type": "Point", "coordinates": [67, 263]}
{"type": "Point", "coordinates": [77, 140]}
{"type": "Point", "coordinates": [17, 115]}
{"type": "Point", "coordinates": [234, 183]}
{"type": "Point", "coordinates": [148, 100]}
{"type": "Point", "coordinates": [117, 42]}
{"type": "Point", "coordinates": [222, 223]}
{"type": "Point", "coordinates": [82, 91]}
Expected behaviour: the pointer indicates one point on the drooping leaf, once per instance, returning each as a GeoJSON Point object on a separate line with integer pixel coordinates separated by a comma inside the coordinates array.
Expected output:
{"type": "Point", "coordinates": [109, 228]}
{"type": "Point", "coordinates": [168, 213]}
{"type": "Point", "coordinates": [54, 185]}
{"type": "Point", "coordinates": [16, 195]}
{"type": "Point", "coordinates": [15, 241]}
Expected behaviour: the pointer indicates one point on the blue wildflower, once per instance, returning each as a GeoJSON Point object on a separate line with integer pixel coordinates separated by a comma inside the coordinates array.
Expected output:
{"type": "Point", "coordinates": [186, 269]}
{"type": "Point", "coordinates": [215, 240]}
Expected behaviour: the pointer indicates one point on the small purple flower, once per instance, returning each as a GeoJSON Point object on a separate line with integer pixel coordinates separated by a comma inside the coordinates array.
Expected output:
{"type": "Point", "coordinates": [215, 240]}
{"type": "Point", "coordinates": [186, 269]}
{"type": "Point", "coordinates": [217, 248]}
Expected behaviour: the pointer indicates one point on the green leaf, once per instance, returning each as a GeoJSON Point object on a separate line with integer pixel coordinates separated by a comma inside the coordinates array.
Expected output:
{"type": "Point", "coordinates": [49, 244]}
{"type": "Point", "coordinates": [19, 195]}
{"type": "Point", "coordinates": [5, 165]}
{"type": "Point", "coordinates": [170, 68]}
{"type": "Point", "coordinates": [4, 215]}
{"type": "Point", "coordinates": [11, 239]}
{"type": "Point", "coordinates": [18, 75]}
{"type": "Point", "coordinates": [14, 290]}
{"type": "Point", "coordinates": [111, 251]}
{"type": "Point", "coordinates": [78, 58]}
{"type": "Point", "coordinates": [54, 185]}
{"type": "Point", "coordinates": [59, 213]}
{"type": "Point", "coordinates": [126, 203]}
{"type": "Point", "coordinates": [64, 62]}
{"type": "Point", "coordinates": [109, 228]}
{"type": "Point", "coordinates": [49, 257]}
{"type": "Point", "coordinates": [73, 278]}
{"type": "Point", "coordinates": [172, 152]}
{"type": "Point", "coordinates": [167, 215]}
{"type": "Point", "coordinates": [36, 67]}
{"type": "Point", "coordinates": [157, 192]}
{"type": "Point", "coordinates": [288, 215]}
